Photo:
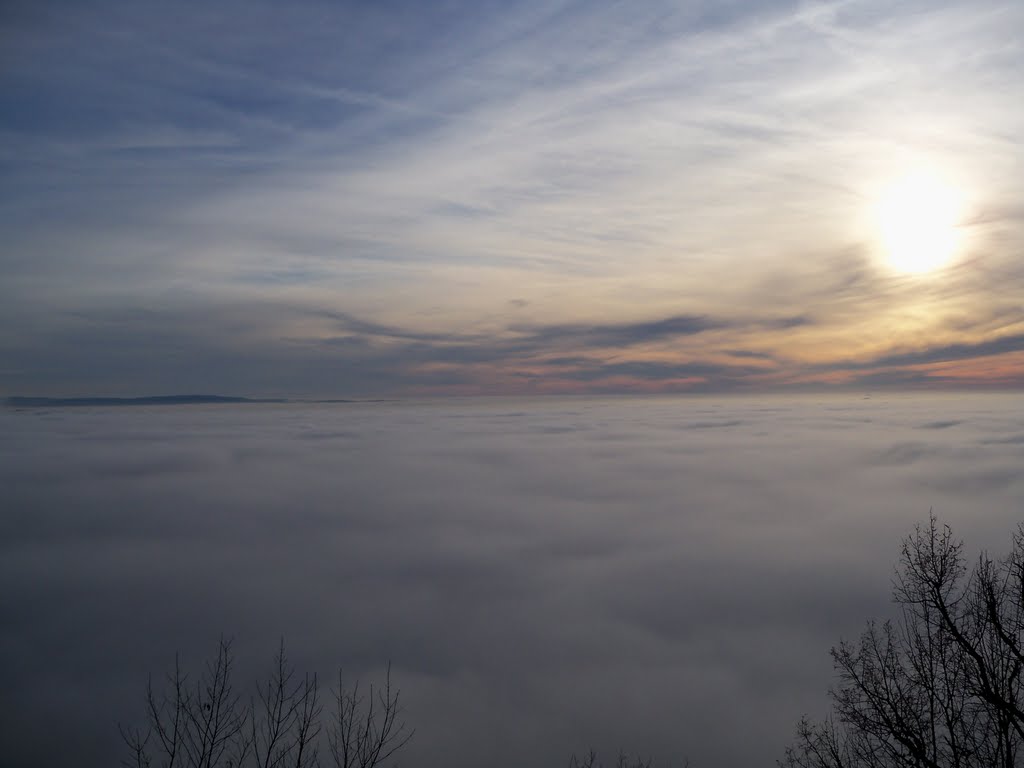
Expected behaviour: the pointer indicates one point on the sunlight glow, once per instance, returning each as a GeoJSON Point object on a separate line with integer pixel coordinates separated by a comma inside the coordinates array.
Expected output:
{"type": "Point", "coordinates": [918, 220]}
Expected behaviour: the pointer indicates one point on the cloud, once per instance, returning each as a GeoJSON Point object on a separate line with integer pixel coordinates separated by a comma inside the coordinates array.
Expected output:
{"type": "Point", "coordinates": [902, 453]}
{"type": "Point", "coordinates": [657, 371]}
{"type": "Point", "coordinates": [941, 424]}
{"type": "Point", "coordinates": [282, 349]}
{"type": "Point", "coordinates": [1012, 440]}
{"type": "Point", "coordinates": [952, 352]}
{"type": "Point", "coordinates": [620, 334]}
{"type": "Point", "coordinates": [435, 169]}
{"type": "Point", "coordinates": [516, 560]}
{"type": "Point", "coordinates": [940, 364]}
{"type": "Point", "coordinates": [223, 349]}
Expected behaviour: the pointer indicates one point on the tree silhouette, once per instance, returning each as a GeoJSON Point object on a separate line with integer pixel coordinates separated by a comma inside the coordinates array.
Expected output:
{"type": "Point", "coordinates": [939, 687]}
{"type": "Point", "coordinates": [590, 760]}
{"type": "Point", "coordinates": [206, 724]}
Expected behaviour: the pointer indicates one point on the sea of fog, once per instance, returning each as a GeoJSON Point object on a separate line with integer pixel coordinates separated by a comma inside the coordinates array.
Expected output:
{"type": "Point", "coordinates": [663, 575]}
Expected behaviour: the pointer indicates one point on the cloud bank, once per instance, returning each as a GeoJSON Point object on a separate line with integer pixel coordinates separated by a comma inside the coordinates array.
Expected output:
{"type": "Point", "coordinates": [545, 574]}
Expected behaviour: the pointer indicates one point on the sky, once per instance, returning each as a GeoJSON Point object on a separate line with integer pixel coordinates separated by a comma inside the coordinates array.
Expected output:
{"type": "Point", "coordinates": [663, 575]}
{"type": "Point", "coordinates": [315, 199]}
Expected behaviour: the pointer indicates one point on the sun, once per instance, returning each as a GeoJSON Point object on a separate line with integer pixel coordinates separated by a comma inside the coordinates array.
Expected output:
{"type": "Point", "coordinates": [918, 220]}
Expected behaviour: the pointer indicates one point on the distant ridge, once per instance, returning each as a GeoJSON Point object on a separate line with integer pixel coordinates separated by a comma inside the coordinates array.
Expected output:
{"type": "Point", "coordinates": [52, 402]}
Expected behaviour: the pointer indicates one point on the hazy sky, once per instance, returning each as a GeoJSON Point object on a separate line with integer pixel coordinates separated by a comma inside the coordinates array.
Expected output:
{"type": "Point", "coordinates": [359, 198]}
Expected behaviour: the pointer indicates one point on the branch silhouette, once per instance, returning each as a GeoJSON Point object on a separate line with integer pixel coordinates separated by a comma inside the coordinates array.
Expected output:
{"type": "Point", "coordinates": [940, 686]}
{"type": "Point", "coordinates": [205, 724]}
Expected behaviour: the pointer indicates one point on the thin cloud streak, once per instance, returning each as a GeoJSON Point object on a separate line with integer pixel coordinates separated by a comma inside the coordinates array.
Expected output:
{"type": "Point", "coordinates": [329, 353]}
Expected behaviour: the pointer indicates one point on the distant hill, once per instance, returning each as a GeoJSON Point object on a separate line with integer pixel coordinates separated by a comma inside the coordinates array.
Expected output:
{"type": "Point", "coordinates": [52, 402]}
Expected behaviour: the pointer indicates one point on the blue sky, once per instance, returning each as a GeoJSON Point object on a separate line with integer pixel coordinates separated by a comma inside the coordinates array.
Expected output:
{"type": "Point", "coordinates": [430, 198]}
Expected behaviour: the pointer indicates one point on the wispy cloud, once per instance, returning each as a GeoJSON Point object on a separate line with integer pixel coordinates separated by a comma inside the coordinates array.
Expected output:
{"type": "Point", "coordinates": [425, 169]}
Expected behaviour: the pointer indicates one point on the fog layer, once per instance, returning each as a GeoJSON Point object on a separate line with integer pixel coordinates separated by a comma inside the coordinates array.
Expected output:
{"type": "Point", "coordinates": [662, 575]}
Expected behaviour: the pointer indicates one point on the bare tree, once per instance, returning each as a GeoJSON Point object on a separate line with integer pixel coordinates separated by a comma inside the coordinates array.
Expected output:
{"type": "Point", "coordinates": [205, 724]}
{"type": "Point", "coordinates": [285, 722]}
{"type": "Point", "coordinates": [589, 760]}
{"type": "Point", "coordinates": [366, 730]}
{"type": "Point", "coordinates": [940, 686]}
{"type": "Point", "coordinates": [198, 725]}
